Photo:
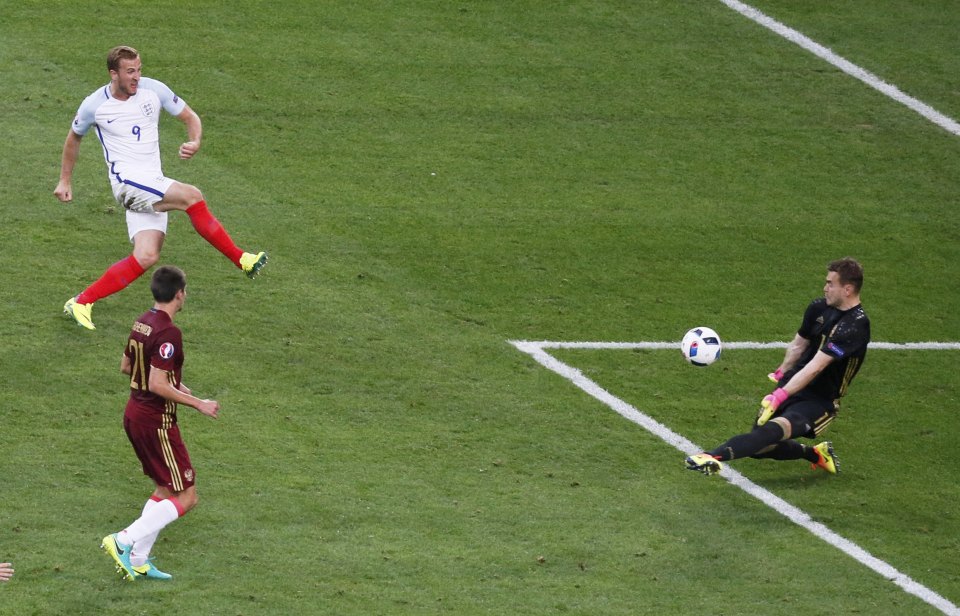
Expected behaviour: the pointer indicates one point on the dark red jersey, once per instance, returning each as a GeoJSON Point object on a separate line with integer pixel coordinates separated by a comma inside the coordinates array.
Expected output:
{"type": "Point", "coordinates": [154, 343]}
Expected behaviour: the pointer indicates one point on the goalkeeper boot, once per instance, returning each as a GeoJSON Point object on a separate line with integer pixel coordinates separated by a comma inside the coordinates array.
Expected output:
{"type": "Point", "coordinates": [251, 264]}
{"type": "Point", "coordinates": [827, 460]}
{"type": "Point", "coordinates": [148, 570]}
{"type": "Point", "coordinates": [81, 313]}
{"type": "Point", "coordinates": [120, 554]}
{"type": "Point", "coordinates": [703, 462]}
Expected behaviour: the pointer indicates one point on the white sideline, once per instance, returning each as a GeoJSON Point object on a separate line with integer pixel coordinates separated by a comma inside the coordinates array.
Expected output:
{"type": "Point", "coordinates": [537, 351]}
{"type": "Point", "coordinates": [653, 346]}
{"type": "Point", "coordinates": [893, 92]}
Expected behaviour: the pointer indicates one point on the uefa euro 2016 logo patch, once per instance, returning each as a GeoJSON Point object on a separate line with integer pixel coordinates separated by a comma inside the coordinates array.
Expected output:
{"type": "Point", "coordinates": [837, 351]}
{"type": "Point", "coordinates": [166, 350]}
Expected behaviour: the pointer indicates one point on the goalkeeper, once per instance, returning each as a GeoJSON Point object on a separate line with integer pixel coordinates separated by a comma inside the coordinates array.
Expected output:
{"type": "Point", "coordinates": [818, 366]}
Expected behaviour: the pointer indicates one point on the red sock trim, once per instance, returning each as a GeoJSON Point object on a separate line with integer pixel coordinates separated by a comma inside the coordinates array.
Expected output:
{"type": "Point", "coordinates": [155, 498]}
{"type": "Point", "coordinates": [180, 510]}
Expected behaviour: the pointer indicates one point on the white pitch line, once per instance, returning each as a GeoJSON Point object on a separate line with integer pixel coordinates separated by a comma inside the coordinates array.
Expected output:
{"type": "Point", "coordinates": [794, 514]}
{"type": "Point", "coordinates": [655, 346]}
{"type": "Point", "coordinates": [945, 122]}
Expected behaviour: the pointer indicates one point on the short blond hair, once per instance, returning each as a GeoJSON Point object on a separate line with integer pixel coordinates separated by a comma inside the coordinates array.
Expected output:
{"type": "Point", "coordinates": [120, 52]}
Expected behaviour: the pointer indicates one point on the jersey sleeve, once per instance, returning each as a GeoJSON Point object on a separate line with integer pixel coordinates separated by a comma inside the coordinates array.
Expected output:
{"type": "Point", "coordinates": [809, 323]}
{"type": "Point", "coordinates": [86, 114]}
{"type": "Point", "coordinates": [172, 103]}
{"type": "Point", "coordinates": [850, 335]}
{"type": "Point", "coordinates": [165, 350]}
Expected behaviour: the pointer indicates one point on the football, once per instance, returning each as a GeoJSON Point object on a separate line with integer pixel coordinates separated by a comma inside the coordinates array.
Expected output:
{"type": "Point", "coordinates": [701, 346]}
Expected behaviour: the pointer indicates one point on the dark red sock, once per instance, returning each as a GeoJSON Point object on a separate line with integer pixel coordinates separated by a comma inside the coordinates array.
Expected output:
{"type": "Point", "coordinates": [211, 230]}
{"type": "Point", "coordinates": [117, 277]}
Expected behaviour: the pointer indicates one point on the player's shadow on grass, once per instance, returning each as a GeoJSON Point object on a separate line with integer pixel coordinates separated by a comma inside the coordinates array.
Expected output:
{"type": "Point", "coordinates": [773, 480]}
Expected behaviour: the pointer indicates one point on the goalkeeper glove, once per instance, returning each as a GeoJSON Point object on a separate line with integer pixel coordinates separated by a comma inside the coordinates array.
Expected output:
{"type": "Point", "coordinates": [770, 404]}
{"type": "Point", "coordinates": [776, 375]}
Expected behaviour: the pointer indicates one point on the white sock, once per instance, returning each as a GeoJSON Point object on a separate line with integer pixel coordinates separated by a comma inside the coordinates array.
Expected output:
{"type": "Point", "coordinates": [140, 551]}
{"type": "Point", "coordinates": [150, 523]}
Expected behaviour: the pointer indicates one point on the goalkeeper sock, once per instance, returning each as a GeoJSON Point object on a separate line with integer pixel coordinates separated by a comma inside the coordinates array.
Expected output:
{"type": "Point", "coordinates": [211, 230]}
{"type": "Point", "coordinates": [810, 454]}
{"type": "Point", "coordinates": [746, 445]}
{"type": "Point", "coordinates": [117, 277]}
{"type": "Point", "coordinates": [788, 450]}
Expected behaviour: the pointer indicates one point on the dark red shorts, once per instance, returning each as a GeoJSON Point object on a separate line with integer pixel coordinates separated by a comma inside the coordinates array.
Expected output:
{"type": "Point", "coordinates": [162, 453]}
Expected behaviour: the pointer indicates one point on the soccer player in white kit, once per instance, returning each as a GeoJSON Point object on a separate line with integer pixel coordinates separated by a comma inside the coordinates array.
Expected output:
{"type": "Point", "coordinates": [125, 116]}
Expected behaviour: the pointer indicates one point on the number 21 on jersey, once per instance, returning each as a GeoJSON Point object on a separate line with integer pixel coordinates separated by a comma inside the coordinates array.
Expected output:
{"type": "Point", "coordinates": [138, 371]}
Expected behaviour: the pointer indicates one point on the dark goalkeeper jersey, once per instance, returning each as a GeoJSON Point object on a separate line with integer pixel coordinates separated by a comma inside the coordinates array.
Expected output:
{"type": "Point", "coordinates": [842, 334]}
{"type": "Point", "coordinates": [154, 343]}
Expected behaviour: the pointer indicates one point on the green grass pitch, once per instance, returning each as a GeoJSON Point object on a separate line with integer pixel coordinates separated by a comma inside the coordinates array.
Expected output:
{"type": "Point", "coordinates": [433, 180]}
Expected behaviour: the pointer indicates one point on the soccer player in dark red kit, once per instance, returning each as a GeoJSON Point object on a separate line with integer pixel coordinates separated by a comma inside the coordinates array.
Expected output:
{"type": "Point", "coordinates": [818, 366]}
{"type": "Point", "coordinates": [153, 358]}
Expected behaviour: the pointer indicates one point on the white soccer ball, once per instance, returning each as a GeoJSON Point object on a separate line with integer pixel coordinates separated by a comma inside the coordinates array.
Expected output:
{"type": "Point", "coordinates": [701, 346]}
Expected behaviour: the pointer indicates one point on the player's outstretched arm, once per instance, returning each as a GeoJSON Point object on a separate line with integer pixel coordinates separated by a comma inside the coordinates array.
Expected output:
{"type": "Point", "coordinates": [71, 151]}
{"type": "Point", "coordinates": [809, 372]}
{"type": "Point", "coordinates": [795, 350]}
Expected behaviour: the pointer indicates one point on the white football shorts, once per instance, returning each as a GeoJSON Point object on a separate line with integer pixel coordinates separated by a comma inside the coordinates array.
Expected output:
{"type": "Point", "coordinates": [139, 193]}
{"type": "Point", "coordinates": [144, 221]}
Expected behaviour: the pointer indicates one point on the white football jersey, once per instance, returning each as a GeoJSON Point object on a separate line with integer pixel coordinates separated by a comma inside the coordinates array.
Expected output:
{"type": "Point", "coordinates": [128, 130]}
